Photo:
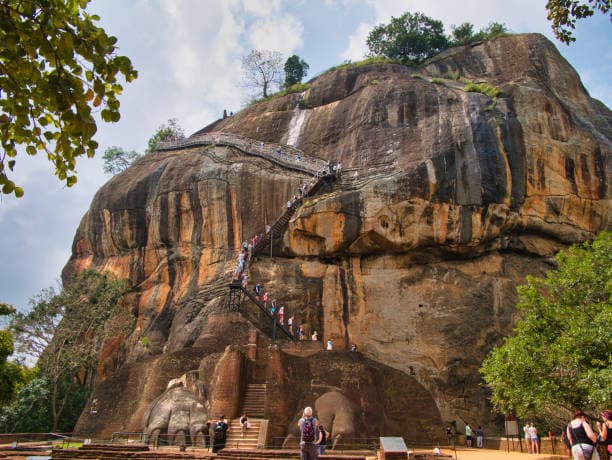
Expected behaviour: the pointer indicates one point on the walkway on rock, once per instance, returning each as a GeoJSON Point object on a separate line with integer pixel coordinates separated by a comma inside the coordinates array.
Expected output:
{"type": "Point", "coordinates": [284, 155]}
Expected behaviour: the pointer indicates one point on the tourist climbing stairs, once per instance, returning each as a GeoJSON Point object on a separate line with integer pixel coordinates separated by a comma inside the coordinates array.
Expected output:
{"type": "Point", "coordinates": [275, 324]}
{"type": "Point", "coordinates": [278, 227]}
{"type": "Point", "coordinates": [251, 437]}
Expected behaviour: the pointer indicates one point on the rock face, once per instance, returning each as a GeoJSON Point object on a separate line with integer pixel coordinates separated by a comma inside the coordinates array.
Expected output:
{"type": "Point", "coordinates": [447, 200]}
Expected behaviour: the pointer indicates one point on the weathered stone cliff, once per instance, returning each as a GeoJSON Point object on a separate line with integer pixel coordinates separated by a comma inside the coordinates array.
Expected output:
{"type": "Point", "coordinates": [447, 200]}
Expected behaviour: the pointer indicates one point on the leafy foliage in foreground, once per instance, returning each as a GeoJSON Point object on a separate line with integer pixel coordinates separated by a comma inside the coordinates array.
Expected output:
{"type": "Point", "coordinates": [57, 67]}
{"type": "Point", "coordinates": [31, 411]}
{"type": "Point", "coordinates": [560, 354]}
{"type": "Point", "coordinates": [565, 13]}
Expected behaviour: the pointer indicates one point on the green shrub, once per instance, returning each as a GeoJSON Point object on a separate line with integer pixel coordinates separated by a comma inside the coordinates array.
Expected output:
{"type": "Point", "coordinates": [483, 88]}
{"type": "Point", "coordinates": [364, 62]}
{"type": "Point", "coordinates": [455, 75]}
{"type": "Point", "coordinates": [374, 82]}
{"type": "Point", "coordinates": [417, 75]}
{"type": "Point", "coordinates": [304, 104]}
{"type": "Point", "coordinates": [437, 80]}
{"type": "Point", "coordinates": [297, 88]}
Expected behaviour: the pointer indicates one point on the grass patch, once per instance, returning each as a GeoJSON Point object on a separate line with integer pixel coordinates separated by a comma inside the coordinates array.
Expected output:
{"type": "Point", "coordinates": [455, 75]}
{"type": "Point", "coordinates": [437, 80]}
{"type": "Point", "coordinates": [297, 88]}
{"type": "Point", "coordinates": [483, 88]}
{"type": "Point", "coordinates": [364, 62]}
{"type": "Point", "coordinates": [374, 82]}
{"type": "Point", "coordinates": [417, 75]}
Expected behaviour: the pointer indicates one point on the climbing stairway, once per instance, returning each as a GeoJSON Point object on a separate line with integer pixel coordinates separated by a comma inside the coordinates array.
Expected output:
{"type": "Point", "coordinates": [287, 157]}
{"type": "Point", "coordinates": [278, 227]}
{"type": "Point", "coordinates": [275, 324]}
{"type": "Point", "coordinates": [235, 440]}
{"type": "Point", "coordinates": [254, 402]}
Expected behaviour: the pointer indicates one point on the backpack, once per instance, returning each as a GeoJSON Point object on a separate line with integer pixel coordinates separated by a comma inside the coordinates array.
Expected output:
{"type": "Point", "coordinates": [219, 432]}
{"type": "Point", "coordinates": [308, 430]}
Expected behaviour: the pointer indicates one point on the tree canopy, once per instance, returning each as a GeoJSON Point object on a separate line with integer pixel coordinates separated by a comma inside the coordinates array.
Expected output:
{"type": "Point", "coordinates": [560, 354]}
{"type": "Point", "coordinates": [166, 131]}
{"type": "Point", "coordinates": [11, 374]}
{"type": "Point", "coordinates": [564, 13]}
{"type": "Point", "coordinates": [65, 330]}
{"type": "Point", "coordinates": [262, 70]}
{"type": "Point", "coordinates": [295, 70]}
{"type": "Point", "coordinates": [56, 68]}
{"type": "Point", "coordinates": [410, 38]}
{"type": "Point", "coordinates": [116, 159]}
{"type": "Point", "coordinates": [464, 34]}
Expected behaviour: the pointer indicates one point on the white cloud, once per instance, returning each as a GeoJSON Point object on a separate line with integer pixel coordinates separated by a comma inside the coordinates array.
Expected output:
{"type": "Point", "coordinates": [262, 7]}
{"type": "Point", "coordinates": [280, 33]}
{"type": "Point", "coordinates": [357, 47]}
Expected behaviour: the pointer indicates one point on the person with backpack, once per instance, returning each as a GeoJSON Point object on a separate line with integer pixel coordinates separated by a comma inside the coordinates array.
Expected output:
{"type": "Point", "coordinates": [220, 430]}
{"type": "Point", "coordinates": [309, 450]}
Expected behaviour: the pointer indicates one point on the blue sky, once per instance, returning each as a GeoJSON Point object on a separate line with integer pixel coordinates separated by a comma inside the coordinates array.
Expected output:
{"type": "Point", "coordinates": [188, 53]}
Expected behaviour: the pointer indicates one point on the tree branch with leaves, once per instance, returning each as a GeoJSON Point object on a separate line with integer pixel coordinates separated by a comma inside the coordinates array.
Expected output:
{"type": "Point", "coordinates": [560, 353]}
{"type": "Point", "coordinates": [57, 67]}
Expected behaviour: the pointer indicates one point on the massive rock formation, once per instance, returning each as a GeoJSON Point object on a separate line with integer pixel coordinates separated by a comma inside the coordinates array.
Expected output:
{"type": "Point", "coordinates": [448, 199]}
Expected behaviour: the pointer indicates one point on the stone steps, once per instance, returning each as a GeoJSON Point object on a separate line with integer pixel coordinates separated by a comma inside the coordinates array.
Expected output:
{"type": "Point", "coordinates": [254, 401]}
{"type": "Point", "coordinates": [251, 437]}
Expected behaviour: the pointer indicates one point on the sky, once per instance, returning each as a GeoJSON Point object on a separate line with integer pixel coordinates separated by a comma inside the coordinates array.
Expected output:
{"type": "Point", "coordinates": [188, 55]}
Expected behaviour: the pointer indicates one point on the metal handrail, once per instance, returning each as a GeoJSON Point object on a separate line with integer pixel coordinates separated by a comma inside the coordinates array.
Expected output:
{"type": "Point", "coordinates": [285, 155]}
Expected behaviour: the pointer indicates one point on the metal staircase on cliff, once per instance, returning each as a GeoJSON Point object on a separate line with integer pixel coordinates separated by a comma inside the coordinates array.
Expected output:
{"type": "Point", "coordinates": [285, 156]}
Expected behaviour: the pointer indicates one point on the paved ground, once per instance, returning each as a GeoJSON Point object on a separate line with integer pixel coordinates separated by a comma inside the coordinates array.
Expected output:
{"type": "Point", "coordinates": [487, 454]}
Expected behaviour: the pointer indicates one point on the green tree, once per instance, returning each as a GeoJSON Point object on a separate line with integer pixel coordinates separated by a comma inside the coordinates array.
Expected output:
{"type": "Point", "coordinates": [262, 70]}
{"type": "Point", "coordinates": [11, 373]}
{"type": "Point", "coordinates": [411, 38]}
{"type": "Point", "coordinates": [295, 70]}
{"type": "Point", "coordinates": [559, 356]}
{"type": "Point", "coordinates": [70, 327]}
{"type": "Point", "coordinates": [117, 160]}
{"type": "Point", "coordinates": [493, 30]}
{"type": "Point", "coordinates": [463, 34]}
{"type": "Point", "coordinates": [565, 13]}
{"type": "Point", "coordinates": [56, 68]}
{"type": "Point", "coordinates": [165, 132]}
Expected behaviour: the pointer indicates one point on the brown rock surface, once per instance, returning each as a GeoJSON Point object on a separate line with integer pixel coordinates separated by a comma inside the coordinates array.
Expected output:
{"type": "Point", "coordinates": [447, 200]}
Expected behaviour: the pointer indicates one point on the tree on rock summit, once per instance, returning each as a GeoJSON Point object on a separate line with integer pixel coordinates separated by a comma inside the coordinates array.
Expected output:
{"type": "Point", "coordinates": [410, 38]}
{"type": "Point", "coordinates": [262, 70]}
{"type": "Point", "coordinates": [295, 70]}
